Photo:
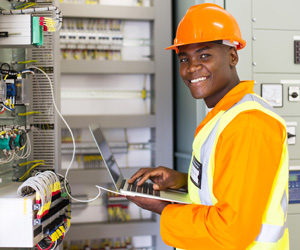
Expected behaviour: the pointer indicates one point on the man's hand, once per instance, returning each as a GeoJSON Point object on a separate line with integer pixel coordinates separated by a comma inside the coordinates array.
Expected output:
{"type": "Point", "coordinates": [162, 177]}
{"type": "Point", "coordinates": [153, 205]}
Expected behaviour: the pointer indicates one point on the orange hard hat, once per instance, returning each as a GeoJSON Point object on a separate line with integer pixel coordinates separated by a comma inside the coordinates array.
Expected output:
{"type": "Point", "coordinates": [206, 23]}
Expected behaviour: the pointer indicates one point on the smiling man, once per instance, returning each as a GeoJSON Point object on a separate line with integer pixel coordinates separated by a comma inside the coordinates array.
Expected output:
{"type": "Point", "coordinates": [238, 175]}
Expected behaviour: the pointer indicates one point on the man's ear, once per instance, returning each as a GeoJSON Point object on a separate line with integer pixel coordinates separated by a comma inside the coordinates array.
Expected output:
{"type": "Point", "coordinates": [233, 57]}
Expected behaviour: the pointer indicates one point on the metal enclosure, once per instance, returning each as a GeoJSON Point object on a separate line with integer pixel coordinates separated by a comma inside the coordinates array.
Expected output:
{"type": "Point", "coordinates": [160, 121]}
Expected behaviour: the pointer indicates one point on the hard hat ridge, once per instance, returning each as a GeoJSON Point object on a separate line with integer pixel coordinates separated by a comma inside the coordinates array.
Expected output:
{"type": "Point", "coordinates": [206, 23]}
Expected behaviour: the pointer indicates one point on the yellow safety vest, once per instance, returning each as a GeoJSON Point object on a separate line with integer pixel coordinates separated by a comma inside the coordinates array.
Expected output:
{"type": "Point", "coordinates": [274, 232]}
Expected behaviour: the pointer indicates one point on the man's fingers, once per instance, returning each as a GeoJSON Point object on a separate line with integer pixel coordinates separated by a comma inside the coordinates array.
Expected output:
{"type": "Point", "coordinates": [137, 175]}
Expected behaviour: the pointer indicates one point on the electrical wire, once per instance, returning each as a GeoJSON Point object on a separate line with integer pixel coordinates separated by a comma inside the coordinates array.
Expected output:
{"type": "Point", "coordinates": [25, 5]}
{"type": "Point", "coordinates": [25, 62]}
{"type": "Point", "coordinates": [29, 162]}
{"type": "Point", "coordinates": [28, 113]}
{"type": "Point", "coordinates": [29, 170]}
{"type": "Point", "coordinates": [73, 140]}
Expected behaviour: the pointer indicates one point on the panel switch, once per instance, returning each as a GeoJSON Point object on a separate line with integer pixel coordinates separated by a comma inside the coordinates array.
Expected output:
{"type": "Point", "coordinates": [294, 94]}
{"type": "Point", "coordinates": [291, 134]}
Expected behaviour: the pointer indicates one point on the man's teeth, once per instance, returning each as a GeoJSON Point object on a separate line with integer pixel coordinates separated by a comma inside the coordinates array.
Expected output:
{"type": "Point", "coordinates": [198, 79]}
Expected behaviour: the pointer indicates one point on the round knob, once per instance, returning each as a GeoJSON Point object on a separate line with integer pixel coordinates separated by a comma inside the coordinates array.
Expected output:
{"type": "Point", "coordinates": [294, 94]}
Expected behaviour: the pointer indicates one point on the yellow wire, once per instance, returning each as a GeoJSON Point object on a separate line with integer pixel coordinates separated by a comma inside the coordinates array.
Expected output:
{"type": "Point", "coordinates": [25, 5]}
{"type": "Point", "coordinates": [30, 61]}
{"type": "Point", "coordinates": [5, 77]}
{"type": "Point", "coordinates": [28, 171]}
{"type": "Point", "coordinates": [29, 162]}
{"type": "Point", "coordinates": [28, 113]}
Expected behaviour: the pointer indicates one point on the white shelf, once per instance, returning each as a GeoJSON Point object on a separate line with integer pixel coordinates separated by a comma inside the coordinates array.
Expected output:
{"type": "Point", "coordinates": [104, 11]}
{"type": "Point", "coordinates": [110, 230]}
{"type": "Point", "coordinates": [111, 121]}
{"type": "Point", "coordinates": [100, 175]}
{"type": "Point", "coordinates": [107, 67]}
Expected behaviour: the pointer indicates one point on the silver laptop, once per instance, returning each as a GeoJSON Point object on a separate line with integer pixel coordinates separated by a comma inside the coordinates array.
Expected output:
{"type": "Point", "coordinates": [121, 184]}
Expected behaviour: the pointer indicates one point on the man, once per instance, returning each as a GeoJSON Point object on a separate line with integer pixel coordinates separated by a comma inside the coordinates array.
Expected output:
{"type": "Point", "coordinates": [238, 176]}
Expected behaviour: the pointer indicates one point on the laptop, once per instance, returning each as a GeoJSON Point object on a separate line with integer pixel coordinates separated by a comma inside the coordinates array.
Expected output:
{"type": "Point", "coordinates": [121, 184]}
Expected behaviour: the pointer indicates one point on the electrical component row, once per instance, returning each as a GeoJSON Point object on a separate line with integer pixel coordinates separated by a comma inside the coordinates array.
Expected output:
{"type": "Point", "coordinates": [117, 208]}
{"type": "Point", "coordinates": [101, 244]}
{"type": "Point", "coordinates": [98, 32]}
{"type": "Point", "coordinates": [49, 24]}
{"type": "Point", "coordinates": [94, 2]}
{"type": "Point", "coordinates": [82, 53]}
{"type": "Point", "coordinates": [25, 27]}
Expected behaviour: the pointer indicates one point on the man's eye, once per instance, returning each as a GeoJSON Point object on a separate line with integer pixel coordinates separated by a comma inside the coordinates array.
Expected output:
{"type": "Point", "coordinates": [183, 60]}
{"type": "Point", "coordinates": [204, 56]}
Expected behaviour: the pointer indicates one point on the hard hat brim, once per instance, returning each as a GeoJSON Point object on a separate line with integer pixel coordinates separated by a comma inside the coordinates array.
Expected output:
{"type": "Point", "coordinates": [242, 44]}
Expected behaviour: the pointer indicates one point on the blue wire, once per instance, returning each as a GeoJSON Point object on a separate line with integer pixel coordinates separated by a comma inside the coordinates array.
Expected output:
{"type": "Point", "coordinates": [8, 108]}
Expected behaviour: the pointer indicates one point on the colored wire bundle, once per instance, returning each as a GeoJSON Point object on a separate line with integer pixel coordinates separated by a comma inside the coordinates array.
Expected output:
{"type": "Point", "coordinates": [45, 184]}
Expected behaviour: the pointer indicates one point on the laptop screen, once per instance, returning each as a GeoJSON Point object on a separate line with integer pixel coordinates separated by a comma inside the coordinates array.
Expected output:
{"type": "Point", "coordinates": [106, 153]}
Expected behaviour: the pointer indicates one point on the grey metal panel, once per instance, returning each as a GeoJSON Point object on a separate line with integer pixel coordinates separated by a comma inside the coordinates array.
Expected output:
{"type": "Point", "coordinates": [293, 225]}
{"type": "Point", "coordinates": [244, 66]}
{"type": "Point", "coordinates": [276, 14]}
{"type": "Point", "coordinates": [107, 67]}
{"type": "Point", "coordinates": [294, 148]}
{"type": "Point", "coordinates": [163, 84]}
{"type": "Point", "coordinates": [163, 95]}
{"type": "Point", "coordinates": [111, 121]}
{"type": "Point", "coordinates": [288, 108]}
{"type": "Point", "coordinates": [102, 11]}
{"type": "Point", "coordinates": [94, 176]}
{"type": "Point", "coordinates": [273, 51]}
{"type": "Point", "coordinates": [110, 230]}
{"type": "Point", "coordinates": [186, 107]}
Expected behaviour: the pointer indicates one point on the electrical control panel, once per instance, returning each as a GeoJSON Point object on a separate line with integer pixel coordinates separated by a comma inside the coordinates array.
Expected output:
{"type": "Point", "coordinates": [34, 207]}
{"type": "Point", "coordinates": [294, 187]}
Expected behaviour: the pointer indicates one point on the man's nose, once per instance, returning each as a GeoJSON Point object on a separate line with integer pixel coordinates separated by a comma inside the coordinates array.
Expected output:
{"type": "Point", "coordinates": [194, 66]}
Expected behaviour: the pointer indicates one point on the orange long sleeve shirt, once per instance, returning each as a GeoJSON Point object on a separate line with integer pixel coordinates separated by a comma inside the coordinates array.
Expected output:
{"type": "Point", "coordinates": [246, 161]}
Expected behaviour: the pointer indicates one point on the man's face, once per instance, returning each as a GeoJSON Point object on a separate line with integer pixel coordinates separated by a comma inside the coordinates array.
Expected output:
{"type": "Point", "coordinates": [207, 69]}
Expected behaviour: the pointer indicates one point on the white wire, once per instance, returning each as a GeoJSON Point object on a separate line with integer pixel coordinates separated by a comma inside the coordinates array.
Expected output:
{"type": "Point", "coordinates": [9, 159]}
{"type": "Point", "coordinates": [73, 141]}
{"type": "Point", "coordinates": [23, 154]}
{"type": "Point", "coordinates": [108, 190]}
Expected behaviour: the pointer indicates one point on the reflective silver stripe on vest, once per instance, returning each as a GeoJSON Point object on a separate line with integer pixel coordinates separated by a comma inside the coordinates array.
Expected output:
{"type": "Point", "coordinates": [253, 98]}
{"type": "Point", "coordinates": [273, 233]}
{"type": "Point", "coordinates": [205, 153]}
{"type": "Point", "coordinates": [284, 202]}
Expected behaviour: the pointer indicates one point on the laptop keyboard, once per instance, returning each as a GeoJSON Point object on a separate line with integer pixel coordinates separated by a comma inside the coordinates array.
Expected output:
{"type": "Point", "coordinates": [145, 188]}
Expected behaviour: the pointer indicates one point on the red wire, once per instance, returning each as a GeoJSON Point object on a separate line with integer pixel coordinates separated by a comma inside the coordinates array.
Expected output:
{"type": "Point", "coordinates": [2, 111]}
{"type": "Point", "coordinates": [46, 248]}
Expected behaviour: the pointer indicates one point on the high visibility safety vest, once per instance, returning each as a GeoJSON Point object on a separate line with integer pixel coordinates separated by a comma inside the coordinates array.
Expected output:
{"type": "Point", "coordinates": [274, 232]}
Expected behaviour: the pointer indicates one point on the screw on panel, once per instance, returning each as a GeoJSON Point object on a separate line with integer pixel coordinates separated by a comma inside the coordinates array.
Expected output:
{"type": "Point", "coordinates": [254, 63]}
{"type": "Point", "coordinates": [254, 19]}
{"type": "Point", "coordinates": [254, 38]}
